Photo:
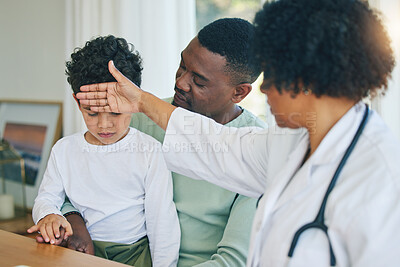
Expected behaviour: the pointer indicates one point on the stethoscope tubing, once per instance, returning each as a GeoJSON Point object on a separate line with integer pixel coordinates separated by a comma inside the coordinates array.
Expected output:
{"type": "Point", "coordinates": [319, 221]}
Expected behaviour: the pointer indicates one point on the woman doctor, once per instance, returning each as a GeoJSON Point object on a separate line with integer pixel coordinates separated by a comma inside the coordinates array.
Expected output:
{"type": "Point", "coordinates": [329, 175]}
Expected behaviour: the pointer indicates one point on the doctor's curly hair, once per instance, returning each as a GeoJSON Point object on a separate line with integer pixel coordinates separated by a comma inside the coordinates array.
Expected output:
{"type": "Point", "coordinates": [337, 48]}
{"type": "Point", "coordinates": [89, 64]}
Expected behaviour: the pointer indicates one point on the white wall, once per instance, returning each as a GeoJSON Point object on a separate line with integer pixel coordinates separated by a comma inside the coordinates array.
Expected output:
{"type": "Point", "coordinates": [32, 56]}
{"type": "Point", "coordinates": [32, 49]}
{"type": "Point", "coordinates": [389, 107]}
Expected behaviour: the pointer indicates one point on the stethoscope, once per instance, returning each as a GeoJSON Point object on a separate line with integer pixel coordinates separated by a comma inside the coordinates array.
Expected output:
{"type": "Point", "coordinates": [319, 221]}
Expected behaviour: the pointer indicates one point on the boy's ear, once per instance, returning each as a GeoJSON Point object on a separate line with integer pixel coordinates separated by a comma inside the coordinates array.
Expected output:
{"type": "Point", "coordinates": [241, 91]}
{"type": "Point", "coordinates": [76, 100]}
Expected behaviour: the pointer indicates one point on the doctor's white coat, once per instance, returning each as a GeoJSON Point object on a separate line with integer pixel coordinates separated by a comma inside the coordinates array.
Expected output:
{"type": "Point", "coordinates": [363, 210]}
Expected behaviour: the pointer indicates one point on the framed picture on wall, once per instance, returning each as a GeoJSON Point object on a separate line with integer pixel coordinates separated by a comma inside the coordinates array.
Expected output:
{"type": "Point", "coordinates": [31, 128]}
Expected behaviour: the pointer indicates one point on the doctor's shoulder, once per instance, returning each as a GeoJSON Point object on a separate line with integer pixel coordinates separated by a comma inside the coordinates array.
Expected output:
{"type": "Point", "coordinates": [382, 147]}
{"type": "Point", "coordinates": [370, 182]}
{"type": "Point", "coordinates": [363, 210]}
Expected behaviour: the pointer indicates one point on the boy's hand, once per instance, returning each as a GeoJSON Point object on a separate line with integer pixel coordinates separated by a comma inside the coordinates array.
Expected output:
{"type": "Point", "coordinates": [49, 228]}
{"type": "Point", "coordinates": [122, 96]}
{"type": "Point", "coordinates": [79, 241]}
{"type": "Point", "coordinates": [59, 241]}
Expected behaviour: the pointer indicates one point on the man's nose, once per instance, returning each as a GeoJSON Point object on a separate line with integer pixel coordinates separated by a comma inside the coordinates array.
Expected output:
{"type": "Point", "coordinates": [182, 82]}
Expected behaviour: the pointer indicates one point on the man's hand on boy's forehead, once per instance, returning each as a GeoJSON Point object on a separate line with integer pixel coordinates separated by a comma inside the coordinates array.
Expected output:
{"type": "Point", "coordinates": [92, 98]}
{"type": "Point", "coordinates": [120, 97]}
{"type": "Point", "coordinates": [86, 107]}
{"type": "Point", "coordinates": [97, 105]}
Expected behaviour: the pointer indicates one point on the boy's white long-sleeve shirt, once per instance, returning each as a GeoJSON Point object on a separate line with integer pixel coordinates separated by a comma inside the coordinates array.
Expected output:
{"type": "Point", "coordinates": [123, 191]}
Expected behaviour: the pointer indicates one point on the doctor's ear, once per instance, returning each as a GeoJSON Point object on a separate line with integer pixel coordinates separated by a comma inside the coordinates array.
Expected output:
{"type": "Point", "coordinates": [76, 100]}
{"type": "Point", "coordinates": [241, 91]}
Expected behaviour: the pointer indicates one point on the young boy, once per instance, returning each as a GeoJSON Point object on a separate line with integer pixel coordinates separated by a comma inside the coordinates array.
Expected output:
{"type": "Point", "coordinates": [113, 174]}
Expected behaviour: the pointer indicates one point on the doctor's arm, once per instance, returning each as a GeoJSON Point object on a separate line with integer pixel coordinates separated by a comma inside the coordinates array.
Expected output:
{"type": "Point", "coordinates": [233, 158]}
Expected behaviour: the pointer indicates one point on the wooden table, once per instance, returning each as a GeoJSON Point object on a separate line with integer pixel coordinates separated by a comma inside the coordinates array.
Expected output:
{"type": "Point", "coordinates": [20, 250]}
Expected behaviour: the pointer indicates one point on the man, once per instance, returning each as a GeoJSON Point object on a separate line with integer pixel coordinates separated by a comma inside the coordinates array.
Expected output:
{"type": "Point", "coordinates": [215, 74]}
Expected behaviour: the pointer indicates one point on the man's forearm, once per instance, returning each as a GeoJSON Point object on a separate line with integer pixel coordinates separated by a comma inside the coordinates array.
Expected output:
{"type": "Point", "coordinates": [78, 225]}
{"type": "Point", "coordinates": [80, 240]}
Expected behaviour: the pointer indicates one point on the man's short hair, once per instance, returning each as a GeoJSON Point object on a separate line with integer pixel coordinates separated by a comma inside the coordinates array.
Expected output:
{"type": "Point", "coordinates": [233, 39]}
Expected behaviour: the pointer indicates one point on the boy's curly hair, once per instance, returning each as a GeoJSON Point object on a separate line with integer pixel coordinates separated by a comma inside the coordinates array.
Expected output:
{"type": "Point", "coordinates": [337, 48]}
{"type": "Point", "coordinates": [90, 64]}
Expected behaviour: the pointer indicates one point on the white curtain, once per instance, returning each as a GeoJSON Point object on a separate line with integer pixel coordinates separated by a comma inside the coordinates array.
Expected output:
{"type": "Point", "coordinates": [159, 30]}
